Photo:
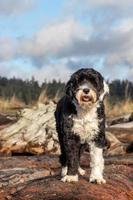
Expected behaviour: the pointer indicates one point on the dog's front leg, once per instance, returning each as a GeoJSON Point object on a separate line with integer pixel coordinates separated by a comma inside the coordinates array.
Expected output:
{"type": "Point", "coordinates": [72, 153]}
{"type": "Point", "coordinates": [96, 164]}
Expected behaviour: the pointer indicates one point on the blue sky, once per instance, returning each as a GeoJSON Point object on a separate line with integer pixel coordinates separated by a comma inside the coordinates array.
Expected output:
{"type": "Point", "coordinates": [52, 38]}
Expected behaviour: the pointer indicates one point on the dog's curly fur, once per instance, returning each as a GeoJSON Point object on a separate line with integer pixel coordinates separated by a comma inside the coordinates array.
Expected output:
{"type": "Point", "coordinates": [80, 121]}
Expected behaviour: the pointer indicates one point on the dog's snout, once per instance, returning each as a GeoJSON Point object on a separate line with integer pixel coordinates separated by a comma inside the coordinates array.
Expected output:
{"type": "Point", "coordinates": [86, 90]}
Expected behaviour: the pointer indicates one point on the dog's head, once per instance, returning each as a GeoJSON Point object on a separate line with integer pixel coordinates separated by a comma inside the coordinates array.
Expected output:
{"type": "Point", "coordinates": [86, 87]}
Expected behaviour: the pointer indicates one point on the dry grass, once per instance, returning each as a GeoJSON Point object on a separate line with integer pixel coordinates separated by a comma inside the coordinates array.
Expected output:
{"type": "Point", "coordinates": [43, 98]}
{"type": "Point", "coordinates": [13, 103]}
{"type": "Point", "coordinates": [111, 110]}
{"type": "Point", "coordinates": [118, 109]}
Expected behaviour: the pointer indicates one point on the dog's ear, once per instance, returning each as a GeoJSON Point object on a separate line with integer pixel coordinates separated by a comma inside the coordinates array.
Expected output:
{"type": "Point", "coordinates": [105, 91]}
{"type": "Point", "coordinates": [69, 88]}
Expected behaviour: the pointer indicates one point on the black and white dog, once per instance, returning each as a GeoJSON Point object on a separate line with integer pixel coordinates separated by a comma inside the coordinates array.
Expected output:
{"type": "Point", "coordinates": [80, 120]}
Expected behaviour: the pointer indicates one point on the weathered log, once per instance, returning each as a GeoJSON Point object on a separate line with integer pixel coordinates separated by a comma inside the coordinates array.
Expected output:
{"type": "Point", "coordinates": [38, 177]}
{"type": "Point", "coordinates": [116, 147]}
{"type": "Point", "coordinates": [18, 170]}
{"type": "Point", "coordinates": [125, 135]}
{"type": "Point", "coordinates": [6, 118]}
{"type": "Point", "coordinates": [30, 179]}
{"type": "Point", "coordinates": [16, 176]}
{"type": "Point", "coordinates": [121, 119]}
{"type": "Point", "coordinates": [123, 125]}
{"type": "Point", "coordinates": [35, 133]}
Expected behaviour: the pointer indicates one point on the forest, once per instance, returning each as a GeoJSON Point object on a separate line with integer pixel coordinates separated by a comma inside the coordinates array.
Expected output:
{"type": "Point", "coordinates": [28, 91]}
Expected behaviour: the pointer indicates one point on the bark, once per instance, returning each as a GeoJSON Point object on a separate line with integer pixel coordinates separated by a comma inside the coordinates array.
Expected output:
{"type": "Point", "coordinates": [38, 178]}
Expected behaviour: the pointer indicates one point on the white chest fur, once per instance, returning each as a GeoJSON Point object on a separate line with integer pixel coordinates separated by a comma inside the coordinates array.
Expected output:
{"type": "Point", "coordinates": [85, 124]}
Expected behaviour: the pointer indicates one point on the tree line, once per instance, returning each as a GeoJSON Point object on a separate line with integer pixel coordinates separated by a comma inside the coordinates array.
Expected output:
{"type": "Point", "coordinates": [28, 91]}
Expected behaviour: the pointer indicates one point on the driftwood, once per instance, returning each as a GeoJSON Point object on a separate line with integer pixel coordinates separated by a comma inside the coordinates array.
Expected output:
{"type": "Point", "coordinates": [121, 119]}
{"type": "Point", "coordinates": [116, 147]}
{"type": "Point", "coordinates": [35, 133]}
{"type": "Point", "coordinates": [10, 177]}
{"type": "Point", "coordinates": [6, 118]}
{"type": "Point", "coordinates": [38, 177]}
{"type": "Point", "coordinates": [127, 125]}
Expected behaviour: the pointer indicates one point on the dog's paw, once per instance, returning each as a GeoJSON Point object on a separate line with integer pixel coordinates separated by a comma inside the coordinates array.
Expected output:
{"type": "Point", "coordinates": [81, 171]}
{"type": "Point", "coordinates": [70, 178]}
{"type": "Point", "coordinates": [97, 180]}
{"type": "Point", "coordinates": [64, 171]}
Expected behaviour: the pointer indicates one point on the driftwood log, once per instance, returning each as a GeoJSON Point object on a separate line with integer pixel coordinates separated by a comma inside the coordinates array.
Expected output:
{"type": "Point", "coordinates": [38, 178]}
{"type": "Point", "coordinates": [120, 120]}
{"type": "Point", "coordinates": [35, 133]}
{"type": "Point", "coordinates": [6, 118]}
{"type": "Point", "coordinates": [24, 169]}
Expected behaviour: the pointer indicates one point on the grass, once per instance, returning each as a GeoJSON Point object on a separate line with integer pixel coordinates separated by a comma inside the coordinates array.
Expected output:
{"type": "Point", "coordinates": [118, 109]}
{"type": "Point", "coordinates": [43, 98]}
{"type": "Point", "coordinates": [111, 110]}
{"type": "Point", "coordinates": [12, 104]}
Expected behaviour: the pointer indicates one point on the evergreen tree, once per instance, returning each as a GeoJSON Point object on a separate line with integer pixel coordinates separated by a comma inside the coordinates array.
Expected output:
{"type": "Point", "coordinates": [29, 91]}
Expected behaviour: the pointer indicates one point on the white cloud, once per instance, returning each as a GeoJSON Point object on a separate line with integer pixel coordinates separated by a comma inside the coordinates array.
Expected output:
{"type": "Point", "coordinates": [123, 3]}
{"type": "Point", "coordinates": [124, 25]}
{"type": "Point", "coordinates": [130, 73]}
{"type": "Point", "coordinates": [56, 71]}
{"type": "Point", "coordinates": [98, 3]}
{"type": "Point", "coordinates": [109, 38]}
{"type": "Point", "coordinates": [49, 72]}
{"type": "Point", "coordinates": [11, 7]}
{"type": "Point", "coordinates": [7, 49]}
{"type": "Point", "coordinates": [102, 13]}
{"type": "Point", "coordinates": [69, 39]}
{"type": "Point", "coordinates": [55, 40]}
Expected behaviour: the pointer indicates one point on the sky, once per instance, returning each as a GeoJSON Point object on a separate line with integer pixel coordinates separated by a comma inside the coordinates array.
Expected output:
{"type": "Point", "coordinates": [51, 39]}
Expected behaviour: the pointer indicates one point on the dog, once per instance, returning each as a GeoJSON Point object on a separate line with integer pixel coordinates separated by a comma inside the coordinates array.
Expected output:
{"type": "Point", "coordinates": [80, 121]}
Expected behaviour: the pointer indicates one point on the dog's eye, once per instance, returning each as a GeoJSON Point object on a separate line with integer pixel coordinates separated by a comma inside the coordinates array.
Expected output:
{"type": "Point", "coordinates": [77, 89]}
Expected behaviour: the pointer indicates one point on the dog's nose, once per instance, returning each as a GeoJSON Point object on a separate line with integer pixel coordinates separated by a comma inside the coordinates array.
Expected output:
{"type": "Point", "coordinates": [86, 90]}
